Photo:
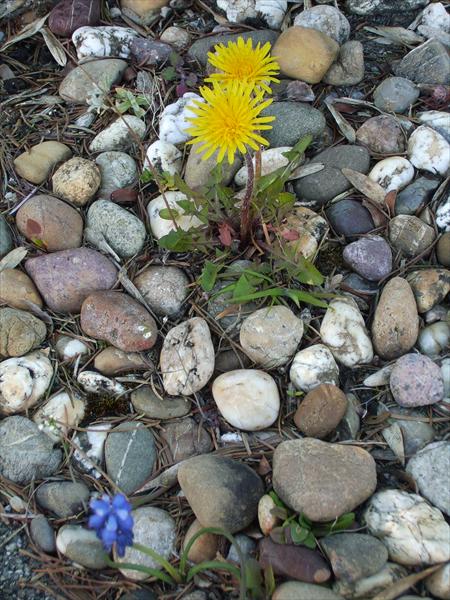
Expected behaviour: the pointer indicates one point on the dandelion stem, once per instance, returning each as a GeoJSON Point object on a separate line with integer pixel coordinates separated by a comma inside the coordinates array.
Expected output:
{"type": "Point", "coordinates": [246, 202]}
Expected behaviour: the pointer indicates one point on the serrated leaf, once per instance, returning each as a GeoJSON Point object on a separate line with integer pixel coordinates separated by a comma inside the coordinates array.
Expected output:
{"type": "Point", "coordinates": [55, 47]}
{"type": "Point", "coordinates": [310, 542]}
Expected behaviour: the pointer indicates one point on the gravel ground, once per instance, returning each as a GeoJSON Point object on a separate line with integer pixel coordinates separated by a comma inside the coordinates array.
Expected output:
{"type": "Point", "coordinates": [16, 570]}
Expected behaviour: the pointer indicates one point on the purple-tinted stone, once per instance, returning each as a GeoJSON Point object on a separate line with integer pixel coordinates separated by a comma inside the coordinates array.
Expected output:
{"type": "Point", "coordinates": [350, 218]}
{"type": "Point", "coordinates": [69, 15]}
{"type": "Point", "coordinates": [65, 279]}
{"type": "Point", "coordinates": [294, 562]}
{"type": "Point", "coordinates": [150, 52]}
{"type": "Point", "coordinates": [416, 381]}
{"type": "Point", "coordinates": [370, 257]}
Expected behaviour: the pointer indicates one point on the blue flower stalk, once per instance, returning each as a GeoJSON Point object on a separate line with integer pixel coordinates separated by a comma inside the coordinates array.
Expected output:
{"type": "Point", "coordinates": [113, 523]}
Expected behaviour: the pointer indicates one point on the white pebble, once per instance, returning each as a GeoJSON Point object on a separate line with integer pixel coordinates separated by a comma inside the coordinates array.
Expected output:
{"type": "Point", "coordinates": [393, 173]}
{"type": "Point", "coordinates": [68, 348]}
{"type": "Point", "coordinates": [161, 226]}
{"type": "Point", "coordinates": [313, 366]}
{"type": "Point", "coordinates": [164, 157]}
{"type": "Point", "coordinates": [173, 120]}
{"type": "Point", "coordinates": [435, 338]}
{"type": "Point", "coordinates": [102, 42]}
{"type": "Point", "coordinates": [61, 413]}
{"type": "Point", "coordinates": [94, 383]}
{"type": "Point", "coordinates": [247, 398]}
{"type": "Point", "coordinates": [429, 151]}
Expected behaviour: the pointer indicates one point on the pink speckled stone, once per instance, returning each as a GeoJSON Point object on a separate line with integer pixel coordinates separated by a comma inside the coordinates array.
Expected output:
{"type": "Point", "coordinates": [416, 381]}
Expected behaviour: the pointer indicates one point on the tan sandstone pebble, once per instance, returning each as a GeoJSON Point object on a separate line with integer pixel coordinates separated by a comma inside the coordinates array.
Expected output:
{"type": "Point", "coordinates": [321, 411]}
{"type": "Point", "coordinates": [395, 325]}
{"type": "Point", "coordinates": [20, 332]}
{"type": "Point", "coordinates": [50, 223]}
{"type": "Point", "coordinates": [305, 54]}
{"type": "Point", "coordinates": [17, 289]}
{"type": "Point", "coordinates": [36, 164]}
{"type": "Point", "coordinates": [119, 320]}
{"type": "Point", "coordinates": [112, 361]}
{"type": "Point", "coordinates": [443, 249]}
{"type": "Point", "coordinates": [205, 547]}
{"type": "Point", "coordinates": [438, 584]}
{"type": "Point", "coordinates": [429, 286]}
{"type": "Point", "coordinates": [77, 180]}
{"type": "Point", "coordinates": [410, 235]}
{"type": "Point", "coordinates": [185, 438]}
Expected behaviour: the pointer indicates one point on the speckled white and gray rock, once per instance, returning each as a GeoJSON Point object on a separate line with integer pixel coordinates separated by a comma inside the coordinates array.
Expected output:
{"type": "Point", "coordinates": [172, 121]}
{"type": "Point", "coordinates": [164, 157]}
{"type": "Point", "coordinates": [414, 532]}
{"type": "Point", "coordinates": [343, 331]}
{"type": "Point", "coordinates": [121, 134]}
{"type": "Point", "coordinates": [108, 224]}
{"type": "Point", "coordinates": [416, 381]}
{"type": "Point", "coordinates": [429, 151]}
{"type": "Point", "coordinates": [437, 120]}
{"type": "Point", "coordinates": [443, 215]}
{"type": "Point", "coordinates": [438, 583]}
{"type": "Point", "coordinates": [395, 94]}
{"type": "Point", "coordinates": [26, 453]}
{"type": "Point", "coordinates": [410, 234]}
{"type": "Point", "coordinates": [434, 338]}
{"type": "Point", "coordinates": [91, 81]}
{"type": "Point", "coordinates": [117, 170]}
{"type": "Point", "coordinates": [430, 469]}
{"type": "Point", "coordinates": [103, 42]}
{"type": "Point", "coordinates": [155, 529]}
{"type": "Point", "coordinates": [313, 366]}
{"type": "Point", "coordinates": [82, 546]}
{"type": "Point", "coordinates": [270, 336]}
{"type": "Point", "coordinates": [63, 498]}
{"type": "Point", "coordinates": [77, 181]}
{"type": "Point", "coordinates": [427, 63]}
{"type": "Point", "coordinates": [247, 398]}
{"type": "Point", "coordinates": [165, 289]}
{"type": "Point", "coordinates": [327, 19]}
{"type": "Point", "coordinates": [368, 587]}
{"type": "Point", "coordinates": [393, 173]}
{"type": "Point", "coordinates": [187, 357]}
{"type": "Point", "coordinates": [60, 414]}
{"type": "Point", "coordinates": [95, 383]}
{"type": "Point", "coordinates": [130, 454]}
{"type": "Point", "coordinates": [23, 381]}
{"type": "Point", "coordinates": [239, 11]}
{"type": "Point", "coordinates": [349, 66]}
{"type": "Point", "coordinates": [160, 226]}
{"type": "Point", "coordinates": [177, 37]}
{"type": "Point", "coordinates": [89, 448]}
{"type": "Point", "coordinates": [42, 534]}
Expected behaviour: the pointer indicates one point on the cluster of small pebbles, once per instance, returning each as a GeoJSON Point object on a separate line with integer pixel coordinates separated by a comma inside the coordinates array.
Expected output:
{"type": "Point", "coordinates": [119, 373]}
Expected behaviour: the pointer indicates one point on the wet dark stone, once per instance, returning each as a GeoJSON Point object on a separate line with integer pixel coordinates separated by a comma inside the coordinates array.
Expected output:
{"type": "Point", "coordinates": [69, 15]}
{"type": "Point", "coordinates": [414, 197]}
{"type": "Point", "coordinates": [349, 218]}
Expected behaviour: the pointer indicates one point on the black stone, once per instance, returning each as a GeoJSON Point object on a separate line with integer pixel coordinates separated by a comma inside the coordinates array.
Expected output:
{"type": "Point", "coordinates": [349, 218]}
{"type": "Point", "coordinates": [415, 196]}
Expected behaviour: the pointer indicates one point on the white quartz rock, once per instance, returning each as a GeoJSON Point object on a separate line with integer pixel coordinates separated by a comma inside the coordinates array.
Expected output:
{"type": "Point", "coordinates": [313, 366]}
{"type": "Point", "coordinates": [429, 151]}
{"type": "Point", "coordinates": [173, 120]}
{"type": "Point", "coordinates": [270, 336]}
{"type": "Point", "coordinates": [443, 215]}
{"type": "Point", "coordinates": [121, 134]}
{"type": "Point", "coordinates": [344, 332]}
{"type": "Point", "coordinates": [327, 19]}
{"type": "Point", "coordinates": [161, 226]}
{"type": "Point", "coordinates": [239, 11]}
{"type": "Point", "coordinates": [247, 398]}
{"type": "Point", "coordinates": [102, 42]}
{"type": "Point", "coordinates": [94, 383]}
{"type": "Point", "coordinates": [89, 448]}
{"type": "Point", "coordinates": [164, 157]}
{"type": "Point", "coordinates": [435, 15]}
{"type": "Point", "coordinates": [414, 532]}
{"type": "Point", "coordinates": [430, 469]}
{"type": "Point", "coordinates": [23, 381]}
{"type": "Point", "coordinates": [393, 173]}
{"type": "Point", "coordinates": [438, 584]}
{"type": "Point", "coordinates": [380, 377]}
{"type": "Point", "coordinates": [271, 160]}
{"type": "Point", "coordinates": [434, 338]}
{"type": "Point", "coordinates": [187, 357]}
{"type": "Point", "coordinates": [68, 347]}
{"type": "Point", "coordinates": [438, 120]}
{"type": "Point", "coordinates": [272, 11]}
{"type": "Point", "coordinates": [61, 413]}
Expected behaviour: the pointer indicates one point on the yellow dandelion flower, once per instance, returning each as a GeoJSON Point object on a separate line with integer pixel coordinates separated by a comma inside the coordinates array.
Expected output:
{"type": "Point", "coordinates": [239, 61]}
{"type": "Point", "coordinates": [228, 121]}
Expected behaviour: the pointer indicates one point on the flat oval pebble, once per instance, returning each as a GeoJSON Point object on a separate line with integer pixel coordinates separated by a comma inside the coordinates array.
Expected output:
{"type": "Point", "coordinates": [120, 135]}
{"type": "Point", "coordinates": [66, 278]}
{"type": "Point", "coordinates": [147, 402]}
{"type": "Point", "coordinates": [165, 289]}
{"type": "Point", "coordinates": [349, 218]}
{"type": "Point", "coordinates": [119, 228]}
{"type": "Point", "coordinates": [416, 381]}
{"type": "Point", "coordinates": [36, 164]}
{"type": "Point", "coordinates": [69, 15]}
{"type": "Point", "coordinates": [294, 562]}
{"type": "Point", "coordinates": [313, 366]}
{"type": "Point", "coordinates": [369, 256]}
{"type": "Point", "coordinates": [103, 42]}
{"type": "Point", "coordinates": [270, 336]}
{"type": "Point", "coordinates": [17, 290]}
{"type": "Point", "coordinates": [81, 546]}
{"type": "Point", "coordinates": [50, 223]}
{"type": "Point", "coordinates": [321, 410]}
{"type": "Point", "coordinates": [429, 151]}
{"type": "Point", "coordinates": [343, 330]}
{"type": "Point", "coordinates": [76, 181]}
{"type": "Point", "coordinates": [112, 361]}
{"type": "Point", "coordinates": [63, 498]}
{"type": "Point", "coordinates": [187, 357]}
{"type": "Point", "coordinates": [80, 85]}
{"type": "Point", "coordinates": [395, 94]}
{"type": "Point", "coordinates": [410, 234]}
{"type": "Point", "coordinates": [120, 320]}
{"type": "Point", "coordinates": [413, 532]}
{"type": "Point", "coordinates": [60, 414]}
{"type": "Point", "coordinates": [161, 226]}
{"type": "Point", "coordinates": [382, 135]}
{"type": "Point", "coordinates": [393, 173]}
{"type": "Point", "coordinates": [247, 398]}
{"type": "Point", "coordinates": [305, 472]}
{"type": "Point", "coordinates": [415, 196]}
{"type": "Point", "coordinates": [117, 170]}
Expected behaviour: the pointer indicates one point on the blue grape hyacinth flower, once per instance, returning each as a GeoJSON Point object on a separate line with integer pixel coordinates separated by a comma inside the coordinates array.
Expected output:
{"type": "Point", "coordinates": [111, 518]}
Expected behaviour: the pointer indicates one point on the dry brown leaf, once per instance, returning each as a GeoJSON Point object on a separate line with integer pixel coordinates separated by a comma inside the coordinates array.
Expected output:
{"type": "Point", "coordinates": [365, 185]}
{"type": "Point", "coordinates": [26, 32]}
{"type": "Point", "coordinates": [404, 584]}
{"type": "Point", "coordinates": [55, 47]}
{"type": "Point", "coordinates": [13, 258]}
